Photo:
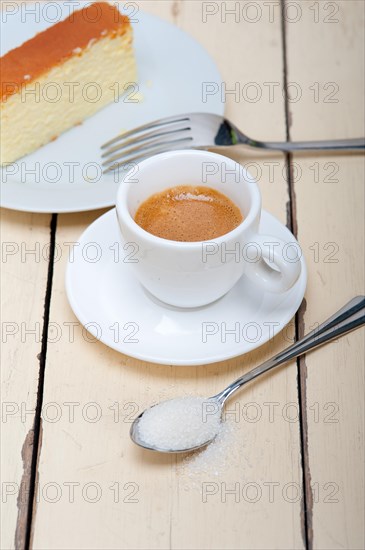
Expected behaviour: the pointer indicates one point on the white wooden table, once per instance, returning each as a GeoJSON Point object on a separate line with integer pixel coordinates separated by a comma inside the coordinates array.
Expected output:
{"type": "Point", "coordinates": [69, 482]}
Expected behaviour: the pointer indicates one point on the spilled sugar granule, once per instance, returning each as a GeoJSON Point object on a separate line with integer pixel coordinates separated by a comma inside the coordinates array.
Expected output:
{"type": "Point", "coordinates": [221, 460]}
{"type": "Point", "coordinates": [215, 460]}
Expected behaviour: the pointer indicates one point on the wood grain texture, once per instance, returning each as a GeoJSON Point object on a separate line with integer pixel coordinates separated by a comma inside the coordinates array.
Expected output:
{"type": "Point", "coordinates": [329, 198]}
{"type": "Point", "coordinates": [24, 267]}
{"type": "Point", "coordinates": [170, 511]}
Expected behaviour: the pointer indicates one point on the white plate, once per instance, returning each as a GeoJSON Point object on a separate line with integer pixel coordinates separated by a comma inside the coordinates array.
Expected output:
{"type": "Point", "coordinates": [171, 69]}
{"type": "Point", "coordinates": [110, 302]}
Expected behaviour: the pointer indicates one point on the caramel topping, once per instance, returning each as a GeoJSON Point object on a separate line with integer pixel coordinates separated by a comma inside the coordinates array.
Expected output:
{"type": "Point", "coordinates": [58, 43]}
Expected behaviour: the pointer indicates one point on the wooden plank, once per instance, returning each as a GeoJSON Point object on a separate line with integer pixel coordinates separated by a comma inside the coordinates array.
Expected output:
{"type": "Point", "coordinates": [24, 265]}
{"type": "Point", "coordinates": [330, 217]}
{"type": "Point", "coordinates": [169, 512]}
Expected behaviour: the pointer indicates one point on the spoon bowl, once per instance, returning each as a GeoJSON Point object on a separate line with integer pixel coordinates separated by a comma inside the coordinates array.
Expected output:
{"type": "Point", "coordinates": [135, 437]}
{"type": "Point", "coordinates": [182, 429]}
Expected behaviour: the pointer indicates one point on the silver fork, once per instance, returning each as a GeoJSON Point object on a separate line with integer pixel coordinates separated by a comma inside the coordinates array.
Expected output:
{"type": "Point", "coordinates": [198, 131]}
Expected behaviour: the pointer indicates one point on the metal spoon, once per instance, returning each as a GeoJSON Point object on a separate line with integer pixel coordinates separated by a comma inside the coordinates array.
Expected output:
{"type": "Point", "coordinates": [348, 318]}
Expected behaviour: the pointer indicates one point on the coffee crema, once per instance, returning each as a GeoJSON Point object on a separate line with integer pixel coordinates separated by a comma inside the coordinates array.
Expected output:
{"type": "Point", "coordinates": [188, 213]}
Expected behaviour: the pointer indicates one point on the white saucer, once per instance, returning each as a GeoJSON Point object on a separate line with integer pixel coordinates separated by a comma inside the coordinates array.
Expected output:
{"type": "Point", "coordinates": [115, 308]}
{"type": "Point", "coordinates": [171, 68]}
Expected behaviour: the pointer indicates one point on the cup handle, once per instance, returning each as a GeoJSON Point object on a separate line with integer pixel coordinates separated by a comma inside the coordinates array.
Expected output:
{"type": "Point", "coordinates": [278, 267]}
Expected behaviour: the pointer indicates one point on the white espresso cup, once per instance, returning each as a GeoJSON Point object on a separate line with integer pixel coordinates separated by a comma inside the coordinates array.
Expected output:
{"type": "Point", "coordinates": [192, 274]}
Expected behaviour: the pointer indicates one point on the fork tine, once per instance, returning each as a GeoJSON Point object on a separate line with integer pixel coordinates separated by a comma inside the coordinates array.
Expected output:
{"type": "Point", "coordinates": [148, 136]}
{"type": "Point", "coordinates": [148, 149]}
{"type": "Point", "coordinates": [142, 156]}
{"type": "Point", "coordinates": [149, 126]}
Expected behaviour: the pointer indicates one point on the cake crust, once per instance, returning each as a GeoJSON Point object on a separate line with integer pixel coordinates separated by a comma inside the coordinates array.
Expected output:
{"type": "Point", "coordinates": [67, 38]}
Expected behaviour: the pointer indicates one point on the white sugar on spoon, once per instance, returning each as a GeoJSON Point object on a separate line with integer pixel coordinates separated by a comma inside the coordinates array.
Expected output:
{"type": "Point", "coordinates": [184, 423]}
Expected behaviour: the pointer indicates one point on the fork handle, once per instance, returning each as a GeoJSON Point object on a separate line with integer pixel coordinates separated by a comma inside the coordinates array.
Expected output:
{"type": "Point", "coordinates": [288, 146]}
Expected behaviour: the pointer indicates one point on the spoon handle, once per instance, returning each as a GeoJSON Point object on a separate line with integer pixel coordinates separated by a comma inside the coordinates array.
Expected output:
{"type": "Point", "coordinates": [346, 319]}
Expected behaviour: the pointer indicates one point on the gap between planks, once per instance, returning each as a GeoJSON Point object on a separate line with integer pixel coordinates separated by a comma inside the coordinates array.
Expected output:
{"type": "Point", "coordinates": [26, 512]}
{"type": "Point", "coordinates": [292, 223]}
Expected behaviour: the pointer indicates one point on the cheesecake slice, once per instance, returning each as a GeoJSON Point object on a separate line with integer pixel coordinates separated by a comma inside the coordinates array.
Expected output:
{"type": "Point", "coordinates": [62, 76]}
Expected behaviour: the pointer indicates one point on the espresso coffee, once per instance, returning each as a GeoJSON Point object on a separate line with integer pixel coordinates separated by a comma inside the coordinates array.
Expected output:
{"type": "Point", "coordinates": [189, 214]}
